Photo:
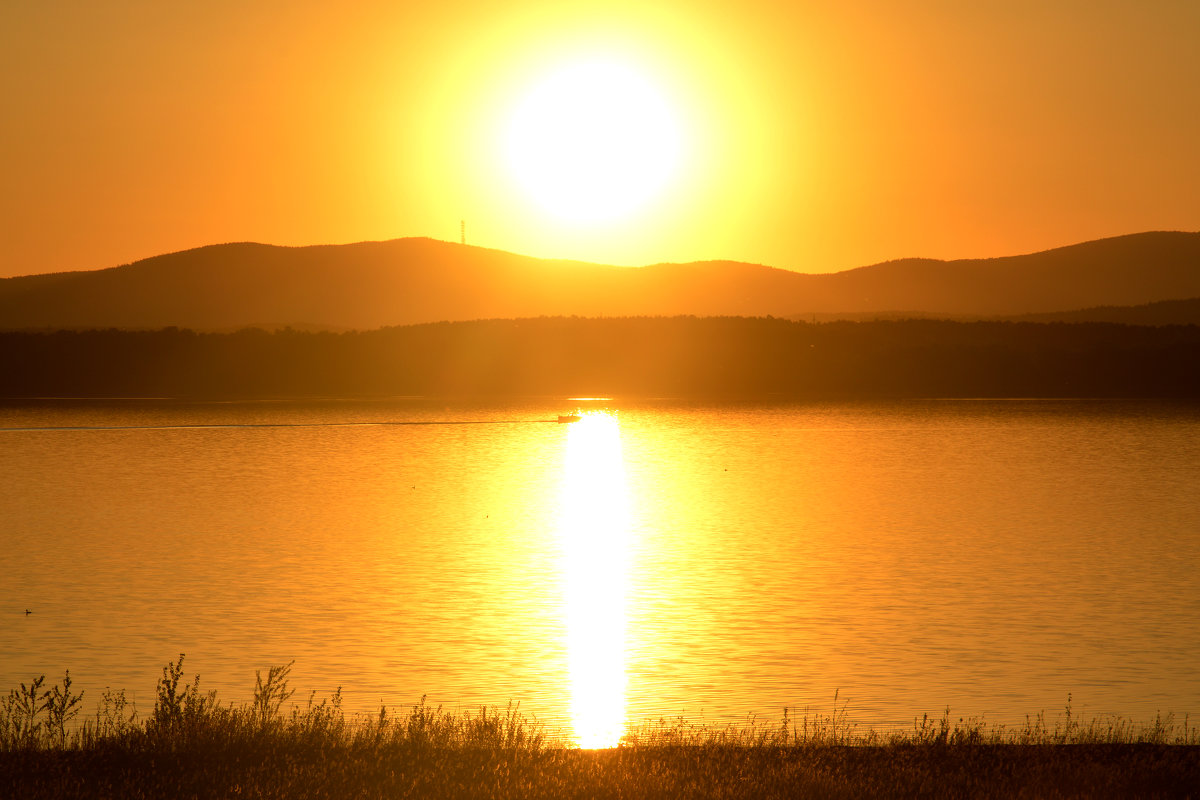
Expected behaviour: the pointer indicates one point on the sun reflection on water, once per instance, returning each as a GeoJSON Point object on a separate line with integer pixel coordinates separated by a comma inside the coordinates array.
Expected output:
{"type": "Point", "coordinates": [594, 531]}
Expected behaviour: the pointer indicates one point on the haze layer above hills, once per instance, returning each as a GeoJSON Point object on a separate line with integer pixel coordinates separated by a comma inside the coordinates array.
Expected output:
{"type": "Point", "coordinates": [405, 281]}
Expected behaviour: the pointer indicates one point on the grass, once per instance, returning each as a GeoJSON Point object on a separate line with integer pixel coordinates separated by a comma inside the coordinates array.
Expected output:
{"type": "Point", "coordinates": [192, 745]}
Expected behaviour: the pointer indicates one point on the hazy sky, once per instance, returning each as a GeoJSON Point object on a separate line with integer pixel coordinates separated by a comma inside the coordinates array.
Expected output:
{"type": "Point", "coordinates": [811, 135]}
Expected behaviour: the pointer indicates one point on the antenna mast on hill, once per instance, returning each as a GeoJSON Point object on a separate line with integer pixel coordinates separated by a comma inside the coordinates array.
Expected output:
{"type": "Point", "coordinates": [462, 230]}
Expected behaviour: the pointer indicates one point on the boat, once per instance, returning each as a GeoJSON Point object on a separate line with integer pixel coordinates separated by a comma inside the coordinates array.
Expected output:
{"type": "Point", "coordinates": [569, 418]}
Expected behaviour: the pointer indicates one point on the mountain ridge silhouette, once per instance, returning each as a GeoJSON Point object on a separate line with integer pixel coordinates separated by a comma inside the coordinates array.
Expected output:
{"type": "Point", "coordinates": [368, 285]}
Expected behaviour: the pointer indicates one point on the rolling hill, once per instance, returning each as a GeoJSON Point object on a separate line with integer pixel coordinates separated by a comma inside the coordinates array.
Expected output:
{"type": "Point", "coordinates": [405, 281]}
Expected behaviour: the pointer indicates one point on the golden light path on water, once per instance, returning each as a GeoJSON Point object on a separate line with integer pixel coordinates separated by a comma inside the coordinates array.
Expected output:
{"type": "Point", "coordinates": [594, 531]}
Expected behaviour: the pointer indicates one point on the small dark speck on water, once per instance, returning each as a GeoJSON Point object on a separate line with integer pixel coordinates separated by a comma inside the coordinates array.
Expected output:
{"type": "Point", "coordinates": [28, 612]}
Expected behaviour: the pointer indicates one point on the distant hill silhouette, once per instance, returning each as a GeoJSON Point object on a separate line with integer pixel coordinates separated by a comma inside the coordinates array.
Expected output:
{"type": "Point", "coordinates": [408, 281]}
{"type": "Point", "coordinates": [1164, 312]}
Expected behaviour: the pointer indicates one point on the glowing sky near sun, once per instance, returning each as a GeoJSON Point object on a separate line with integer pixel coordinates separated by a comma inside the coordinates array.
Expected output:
{"type": "Point", "coordinates": [810, 136]}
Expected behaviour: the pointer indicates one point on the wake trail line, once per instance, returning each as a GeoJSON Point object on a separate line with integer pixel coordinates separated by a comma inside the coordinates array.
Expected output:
{"type": "Point", "coordinates": [200, 426]}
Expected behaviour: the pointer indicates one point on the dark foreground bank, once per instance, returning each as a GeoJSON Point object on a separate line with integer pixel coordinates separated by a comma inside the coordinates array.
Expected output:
{"type": "Point", "coordinates": [275, 770]}
{"type": "Point", "coordinates": [192, 746]}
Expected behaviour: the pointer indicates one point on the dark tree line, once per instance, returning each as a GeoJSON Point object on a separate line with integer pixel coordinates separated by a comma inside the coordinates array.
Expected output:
{"type": "Point", "coordinates": [677, 357]}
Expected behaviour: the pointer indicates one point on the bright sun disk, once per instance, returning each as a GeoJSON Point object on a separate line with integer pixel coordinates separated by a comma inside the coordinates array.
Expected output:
{"type": "Point", "coordinates": [593, 142]}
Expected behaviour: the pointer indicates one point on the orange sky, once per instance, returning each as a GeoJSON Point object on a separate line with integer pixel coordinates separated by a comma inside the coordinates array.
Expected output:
{"type": "Point", "coordinates": [814, 138]}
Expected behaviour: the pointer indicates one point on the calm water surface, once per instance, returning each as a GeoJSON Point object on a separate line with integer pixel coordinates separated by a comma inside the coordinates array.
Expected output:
{"type": "Point", "coordinates": [714, 562]}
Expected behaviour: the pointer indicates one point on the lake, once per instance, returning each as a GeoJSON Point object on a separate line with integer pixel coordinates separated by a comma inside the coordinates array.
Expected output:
{"type": "Point", "coordinates": [663, 559]}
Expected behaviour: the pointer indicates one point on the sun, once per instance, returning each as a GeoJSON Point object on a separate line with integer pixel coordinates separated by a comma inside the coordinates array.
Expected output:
{"type": "Point", "coordinates": [593, 141]}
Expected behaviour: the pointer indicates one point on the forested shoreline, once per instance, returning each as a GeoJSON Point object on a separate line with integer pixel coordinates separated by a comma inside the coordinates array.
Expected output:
{"type": "Point", "coordinates": [712, 357]}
